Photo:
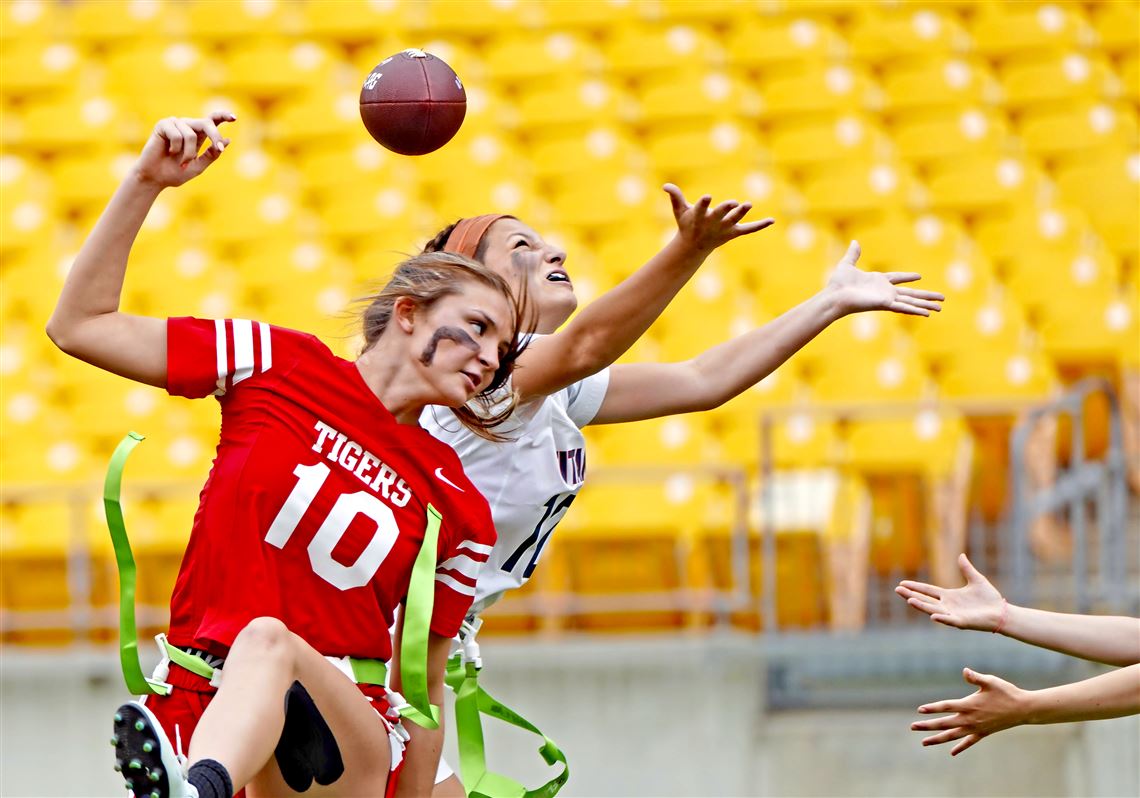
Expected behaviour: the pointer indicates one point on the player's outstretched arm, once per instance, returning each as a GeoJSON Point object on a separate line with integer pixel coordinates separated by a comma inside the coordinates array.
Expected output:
{"type": "Point", "coordinates": [87, 323]}
{"type": "Point", "coordinates": [978, 605]}
{"type": "Point", "coordinates": [612, 323]}
{"type": "Point", "coordinates": [649, 390]}
{"type": "Point", "coordinates": [999, 705]}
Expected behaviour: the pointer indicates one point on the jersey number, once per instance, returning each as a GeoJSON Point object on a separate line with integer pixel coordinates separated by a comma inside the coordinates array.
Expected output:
{"type": "Point", "coordinates": [555, 508]}
{"type": "Point", "coordinates": [347, 507]}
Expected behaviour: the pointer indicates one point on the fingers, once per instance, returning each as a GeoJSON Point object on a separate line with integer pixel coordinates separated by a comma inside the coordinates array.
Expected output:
{"type": "Point", "coordinates": [946, 736]}
{"type": "Point", "coordinates": [966, 743]}
{"type": "Point", "coordinates": [189, 141]}
{"type": "Point", "coordinates": [702, 206]}
{"type": "Point", "coordinates": [938, 724]}
{"type": "Point", "coordinates": [902, 277]}
{"type": "Point", "coordinates": [206, 129]}
{"type": "Point", "coordinates": [971, 573]}
{"type": "Point", "coordinates": [676, 199]}
{"type": "Point", "coordinates": [932, 296]}
{"type": "Point", "coordinates": [737, 213]}
{"type": "Point", "coordinates": [920, 303]}
{"type": "Point", "coordinates": [898, 306]}
{"type": "Point", "coordinates": [217, 117]}
{"type": "Point", "coordinates": [852, 254]}
{"type": "Point", "coordinates": [980, 679]}
{"type": "Point", "coordinates": [752, 227]}
{"type": "Point", "coordinates": [922, 587]}
{"type": "Point", "coordinates": [940, 707]}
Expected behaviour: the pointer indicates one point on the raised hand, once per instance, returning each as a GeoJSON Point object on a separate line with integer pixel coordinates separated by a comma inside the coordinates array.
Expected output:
{"type": "Point", "coordinates": [976, 605]}
{"type": "Point", "coordinates": [997, 705]}
{"type": "Point", "coordinates": [856, 290]}
{"type": "Point", "coordinates": [706, 229]}
{"type": "Point", "coordinates": [170, 156]}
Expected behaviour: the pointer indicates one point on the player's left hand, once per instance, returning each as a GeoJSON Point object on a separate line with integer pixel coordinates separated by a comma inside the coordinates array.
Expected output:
{"type": "Point", "coordinates": [705, 229]}
{"type": "Point", "coordinates": [855, 290]}
{"type": "Point", "coordinates": [997, 705]}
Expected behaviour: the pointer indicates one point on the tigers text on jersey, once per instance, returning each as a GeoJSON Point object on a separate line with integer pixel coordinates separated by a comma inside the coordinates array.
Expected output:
{"type": "Point", "coordinates": [316, 505]}
{"type": "Point", "coordinates": [530, 480]}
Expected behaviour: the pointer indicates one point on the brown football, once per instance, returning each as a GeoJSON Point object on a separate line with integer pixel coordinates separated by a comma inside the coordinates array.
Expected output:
{"type": "Point", "coordinates": [412, 102]}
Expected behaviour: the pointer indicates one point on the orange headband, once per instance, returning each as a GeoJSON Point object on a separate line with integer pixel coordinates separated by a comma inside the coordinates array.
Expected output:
{"type": "Point", "coordinates": [465, 236]}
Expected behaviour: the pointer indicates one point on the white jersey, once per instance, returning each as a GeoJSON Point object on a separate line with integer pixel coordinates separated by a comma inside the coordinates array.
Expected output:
{"type": "Point", "coordinates": [529, 481]}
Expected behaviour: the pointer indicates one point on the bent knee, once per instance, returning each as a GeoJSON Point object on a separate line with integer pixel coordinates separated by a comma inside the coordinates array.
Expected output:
{"type": "Point", "coordinates": [266, 635]}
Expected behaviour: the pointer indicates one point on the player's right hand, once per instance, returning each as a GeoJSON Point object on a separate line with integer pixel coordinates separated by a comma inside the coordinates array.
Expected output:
{"type": "Point", "coordinates": [171, 154]}
{"type": "Point", "coordinates": [976, 605]}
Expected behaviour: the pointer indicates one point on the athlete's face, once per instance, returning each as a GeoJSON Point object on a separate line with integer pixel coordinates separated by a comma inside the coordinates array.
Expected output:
{"type": "Point", "coordinates": [459, 340]}
{"type": "Point", "coordinates": [520, 255]}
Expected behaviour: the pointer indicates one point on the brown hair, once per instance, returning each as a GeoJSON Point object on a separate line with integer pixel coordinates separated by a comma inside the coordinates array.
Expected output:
{"type": "Point", "coordinates": [427, 278]}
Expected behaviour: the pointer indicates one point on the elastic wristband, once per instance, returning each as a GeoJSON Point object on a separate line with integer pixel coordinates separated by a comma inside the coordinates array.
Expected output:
{"type": "Point", "coordinates": [1004, 614]}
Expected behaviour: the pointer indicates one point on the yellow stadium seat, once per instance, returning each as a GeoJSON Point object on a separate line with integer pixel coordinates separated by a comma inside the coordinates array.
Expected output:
{"type": "Point", "coordinates": [905, 242]}
{"type": "Point", "coordinates": [652, 52]}
{"type": "Point", "coordinates": [601, 16]}
{"type": "Point", "coordinates": [1002, 29]}
{"type": "Point", "coordinates": [1107, 189]}
{"type": "Point", "coordinates": [269, 70]}
{"type": "Point", "coordinates": [1080, 130]}
{"type": "Point", "coordinates": [810, 142]}
{"type": "Point", "coordinates": [62, 125]}
{"type": "Point", "coordinates": [672, 441]}
{"type": "Point", "coordinates": [927, 442]}
{"type": "Point", "coordinates": [52, 455]}
{"type": "Point", "coordinates": [603, 199]}
{"type": "Point", "coordinates": [982, 184]}
{"type": "Point", "coordinates": [713, 145]}
{"type": "Point", "coordinates": [379, 28]}
{"type": "Point", "coordinates": [566, 105]}
{"type": "Point", "coordinates": [471, 18]}
{"type": "Point", "coordinates": [157, 79]}
{"type": "Point", "coordinates": [954, 136]}
{"type": "Point", "coordinates": [951, 82]}
{"type": "Point", "coordinates": [28, 210]}
{"type": "Point", "coordinates": [35, 539]}
{"type": "Point", "coordinates": [699, 96]}
{"type": "Point", "coordinates": [835, 88]}
{"type": "Point", "coordinates": [975, 322]}
{"type": "Point", "coordinates": [759, 42]}
{"type": "Point", "coordinates": [724, 14]}
{"type": "Point", "coordinates": [1130, 76]}
{"type": "Point", "coordinates": [802, 439]}
{"type": "Point", "coordinates": [240, 24]}
{"type": "Point", "coordinates": [318, 119]}
{"type": "Point", "coordinates": [846, 369]}
{"type": "Point", "coordinates": [367, 213]}
{"type": "Point", "coordinates": [329, 169]}
{"type": "Point", "coordinates": [1095, 324]}
{"type": "Point", "coordinates": [1026, 230]}
{"type": "Point", "coordinates": [999, 373]}
{"type": "Point", "coordinates": [766, 188]}
{"type": "Point", "coordinates": [35, 69]}
{"type": "Point", "coordinates": [1060, 78]}
{"type": "Point", "coordinates": [903, 34]}
{"type": "Point", "coordinates": [87, 180]}
{"type": "Point", "coordinates": [1117, 26]}
{"type": "Point", "coordinates": [36, 20]}
{"type": "Point", "coordinates": [602, 148]}
{"type": "Point", "coordinates": [855, 190]}
{"type": "Point", "coordinates": [111, 22]}
{"type": "Point", "coordinates": [530, 58]}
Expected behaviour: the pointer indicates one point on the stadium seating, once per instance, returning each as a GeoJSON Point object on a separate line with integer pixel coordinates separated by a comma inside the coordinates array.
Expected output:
{"type": "Point", "coordinates": [992, 147]}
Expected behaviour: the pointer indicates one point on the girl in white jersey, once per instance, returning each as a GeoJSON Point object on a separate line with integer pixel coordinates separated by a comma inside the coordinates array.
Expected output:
{"type": "Point", "coordinates": [565, 379]}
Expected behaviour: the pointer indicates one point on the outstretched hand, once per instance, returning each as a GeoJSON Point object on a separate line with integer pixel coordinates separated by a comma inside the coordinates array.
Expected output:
{"type": "Point", "coordinates": [976, 605]}
{"type": "Point", "coordinates": [856, 290]}
{"type": "Point", "coordinates": [997, 705]}
{"type": "Point", "coordinates": [706, 229]}
{"type": "Point", "coordinates": [171, 157]}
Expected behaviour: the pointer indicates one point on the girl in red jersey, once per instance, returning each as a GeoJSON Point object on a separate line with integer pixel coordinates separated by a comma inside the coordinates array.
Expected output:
{"type": "Point", "coordinates": [322, 493]}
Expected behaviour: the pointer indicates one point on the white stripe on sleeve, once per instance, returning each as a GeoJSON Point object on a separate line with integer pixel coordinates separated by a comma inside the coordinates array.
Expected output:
{"type": "Point", "coordinates": [220, 338]}
{"type": "Point", "coordinates": [478, 548]}
{"type": "Point", "coordinates": [457, 586]}
{"type": "Point", "coordinates": [463, 564]}
{"type": "Point", "coordinates": [243, 349]}
{"type": "Point", "coordinates": [266, 346]}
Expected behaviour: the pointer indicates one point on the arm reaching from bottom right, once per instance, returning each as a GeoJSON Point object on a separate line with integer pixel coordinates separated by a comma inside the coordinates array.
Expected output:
{"type": "Point", "coordinates": [999, 705]}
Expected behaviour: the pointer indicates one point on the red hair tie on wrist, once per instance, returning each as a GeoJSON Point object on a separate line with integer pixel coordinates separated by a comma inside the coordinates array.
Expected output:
{"type": "Point", "coordinates": [1004, 614]}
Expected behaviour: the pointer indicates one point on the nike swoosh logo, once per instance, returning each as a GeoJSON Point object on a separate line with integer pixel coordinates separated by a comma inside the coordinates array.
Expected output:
{"type": "Point", "coordinates": [439, 475]}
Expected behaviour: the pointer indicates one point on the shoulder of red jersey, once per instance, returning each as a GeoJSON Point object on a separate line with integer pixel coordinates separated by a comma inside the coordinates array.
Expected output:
{"type": "Point", "coordinates": [213, 356]}
{"type": "Point", "coordinates": [455, 492]}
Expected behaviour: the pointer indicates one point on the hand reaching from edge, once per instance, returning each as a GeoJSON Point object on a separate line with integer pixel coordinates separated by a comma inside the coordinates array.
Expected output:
{"type": "Point", "coordinates": [706, 229]}
{"type": "Point", "coordinates": [976, 605]}
{"type": "Point", "coordinates": [997, 705]}
{"type": "Point", "coordinates": [856, 290]}
{"type": "Point", "coordinates": [170, 156]}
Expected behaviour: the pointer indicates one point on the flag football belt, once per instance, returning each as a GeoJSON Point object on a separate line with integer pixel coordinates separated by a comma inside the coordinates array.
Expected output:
{"type": "Point", "coordinates": [471, 700]}
{"type": "Point", "coordinates": [414, 704]}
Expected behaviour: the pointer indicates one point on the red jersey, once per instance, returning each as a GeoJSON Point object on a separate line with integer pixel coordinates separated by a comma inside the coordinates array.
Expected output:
{"type": "Point", "coordinates": [316, 505]}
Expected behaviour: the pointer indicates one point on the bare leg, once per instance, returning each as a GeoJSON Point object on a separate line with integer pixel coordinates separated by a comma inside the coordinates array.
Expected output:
{"type": "Point", "coordinates": [241, 726]}
{"type": "Point", "coordinates": [451, 787]}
